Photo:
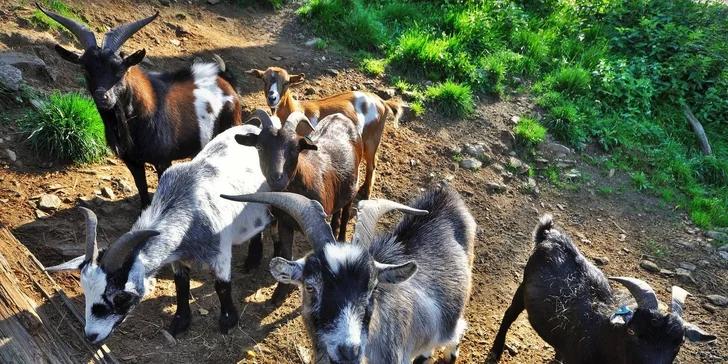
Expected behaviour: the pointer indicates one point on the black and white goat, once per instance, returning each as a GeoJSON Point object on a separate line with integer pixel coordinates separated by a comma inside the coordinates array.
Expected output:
{"type": "Point", "coordinates": [151, 117]}
{"type": "Point", "coordinates": [572, 307]}
{"type": "Point", "coordinates": [323, 167]}
{"type": "Point", "coordinates": [388, 298]}
{"type": "Point", "coordinates": [187, 225]}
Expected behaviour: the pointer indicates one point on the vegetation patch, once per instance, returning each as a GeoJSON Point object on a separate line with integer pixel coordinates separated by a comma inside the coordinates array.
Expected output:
{"type": "Point", "coordinates": [451, 99]}
{"type": "Point", "coordinates": [65, 127]}
{"type": "Point", "coordinates": [530, 132]}
{"type": "Point", "coordinates": [59, 7]}
{"type": "Point", "coordinates": [372, 66]}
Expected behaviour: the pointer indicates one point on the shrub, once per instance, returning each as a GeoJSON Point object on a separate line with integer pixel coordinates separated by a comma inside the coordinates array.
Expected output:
{"type": "Point", "coordinates": [372, 66]}
{"type": "Point", "coordinates": [451, 99]}
{"type": "Point", "coordinates": [530, 132]}
{"type": "Point", "coordinates": [65, 127]}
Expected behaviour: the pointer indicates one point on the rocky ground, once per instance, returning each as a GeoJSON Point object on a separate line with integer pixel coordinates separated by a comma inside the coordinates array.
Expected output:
{"type": "Point", "coordinates": [625, 232]}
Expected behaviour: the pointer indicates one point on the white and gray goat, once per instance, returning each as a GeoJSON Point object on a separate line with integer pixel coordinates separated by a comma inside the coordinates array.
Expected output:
{"type": "Point", "coordinates": [186, 225]}
{"type": "Point", "coordinates": [389, 298]}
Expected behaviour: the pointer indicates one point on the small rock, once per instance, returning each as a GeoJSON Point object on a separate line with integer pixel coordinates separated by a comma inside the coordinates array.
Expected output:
{"type": "Point", "coordinates": [203, 312]}
{"type": "Point", "coordinates": [515, 119]}
{"type": "Point", "coordinates": [175, 42]}
{"type": "Point", "coordinates": [222, 19]}
{"type": "Point", "coordinates": [667, 272]}
{"type": "Point", "coordinates": [276, 58]}
{"type": "Point", "coordinates": [494, 187]}
{"type": "Point", "coordinates": [213, 2]}
{"type": "Point", "coordinates": [478, 150]}
{"type": "Point", "coordinates": [518, 165]}
{"type": "Point", "coordinates": [601, 260]}
{"type": "Point", "coordinates": [708, 307]}
{"type": "Point", "coordinates": [10, 77]}
{"type": "Point", "coordinates": [170, 339]}
{"type": "Point", "coordinates": [723, 254]}
{"type": "Point", "coordinates": [470, 163]}
{"type": "Point", "coordinates": [508, 139]}
{"type": "Point", "coordinates": [717, 235]}
{"type": "Point", "coordinates": [541, 163]}
{"type": "Point", "coordinates": [108, 193]}
{"type": "Point", "coordinates": [125, 187]}
{"type": "Point", "coordinates": [553, 150]}
{"type": "Point", "coordinates": [310, 91]}
{"type": "Point", "coordinates": [413, 162]}
{"type": "Point", "coordinates": [530, 185]}
{"type": "Point", "coordinates": [685, 244]}
{"type": "Point", "coordinates": [49, 202]}
{"type": "Point", "coordinates": [164, 2]}
{"type": "Point", "coordinates": [40, 214]}
{"type": "Point", "coordinates": [717, 300]}
{"type": "Point", "coordinates": [332, 72]}
{"type": "Point", "coordinates": [723, 248]}
{"type": "Point", "coordinates": [304, 354]}
{"type": "Point", "coordinates": [622, 237]}
{"type": "Point", "coordinates": [688, 266]}
{"type": "Point", "coordinates": [684, 275]}
{"type": "Point", "coordinates": [560, 207]}
{"type": "Point", "coordinates": [703, 263]}
{"type": "Point", "coordinates": [564, 163]}
{"type": "Point", "coordinates": [649, 266]}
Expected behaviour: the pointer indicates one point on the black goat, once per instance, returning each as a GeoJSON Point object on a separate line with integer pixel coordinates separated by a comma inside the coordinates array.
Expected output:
{"type": "Point", "coordinates": [571, 306]}
{"type": "Point", "coordinates": [151, 117]}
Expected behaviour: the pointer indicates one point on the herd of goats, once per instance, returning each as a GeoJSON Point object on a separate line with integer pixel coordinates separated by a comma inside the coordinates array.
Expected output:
{"type": "Point", "coordinates": [381, 298]}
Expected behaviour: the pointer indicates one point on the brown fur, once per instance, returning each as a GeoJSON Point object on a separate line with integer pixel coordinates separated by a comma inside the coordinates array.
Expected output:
{"type": "Point", "coordinates": [181, 101]}
{"type": "Point", "coordinates": [146, 100]}
{"type": "Point", "coordinates": [237, 109]}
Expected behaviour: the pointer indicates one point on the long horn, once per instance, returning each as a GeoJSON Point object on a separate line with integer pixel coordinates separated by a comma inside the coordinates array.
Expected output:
{"type": "Point", "coordinates": [85, 36]}
{"type": "Point", "coordinates": [370, 211]}
{"type": "Point", "coordinates": [115, 256]}
{"type": "Point", "coordinates": [677, 303]}
{"type": "Point", "coordinates": [92, 249]}
{"type": "Point", "coordinates": [640, 290]}
{"type": "Point", "coordinates": [262, 115]}
{"type": "Point", "coordinates": [295, 119]}
{"type": "Point", "coordinates": [117, 36]}
{"type": "Point", "coordinates": [309, 214]}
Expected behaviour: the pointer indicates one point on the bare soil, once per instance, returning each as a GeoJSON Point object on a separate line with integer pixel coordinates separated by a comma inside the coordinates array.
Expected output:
{"type": "Point", "coordinates": [622, 226]}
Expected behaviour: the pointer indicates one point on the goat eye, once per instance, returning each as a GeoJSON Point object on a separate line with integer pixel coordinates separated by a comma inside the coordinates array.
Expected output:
{"type": "Point", "coordinates": [630, 331]}
{"type": "Point", "coordinates": [310, 288]}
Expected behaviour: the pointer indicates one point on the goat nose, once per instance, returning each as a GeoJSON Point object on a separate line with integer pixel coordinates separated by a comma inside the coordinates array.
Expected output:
{"type": "Point", "coordinates": [100, 95]}
{"type": "Point", "coordinates": [348, 352]}
{"type": "Point", "coordinates": [92, 337]}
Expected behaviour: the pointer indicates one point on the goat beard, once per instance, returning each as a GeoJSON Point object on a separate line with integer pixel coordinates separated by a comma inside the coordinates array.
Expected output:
{"type": "Point", "coordinates": [118, 134]}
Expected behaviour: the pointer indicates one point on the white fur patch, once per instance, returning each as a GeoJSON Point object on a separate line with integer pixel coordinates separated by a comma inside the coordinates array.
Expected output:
{"type": "Point", "coordinates": [338, 255]}
{"type": "Point", "coordinates": [347, 332]}
{"type": "Point", "coordinates": [93, 283]}
{"type": "Point", "coordinates": [430, 316]}
{"type": "Point", "coordinates": [273, 92]}
{"type": "Point", "coordinates": [207, 93]}
{"type": "Point", "coordinates": [372, 114]}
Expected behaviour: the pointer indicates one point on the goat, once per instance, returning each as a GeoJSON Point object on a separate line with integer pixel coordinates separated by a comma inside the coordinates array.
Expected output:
{"type": "Point", "coordinates": [366, 109]}
{"type": "Point", "coordinates": [569, 302]}
{"type": "Point", "coordinates": [324, 168]}
{"type": "Point", "coordinates": [186, 225]}
{"type": "Point", "coordinates": [390, 298]}
{"type": "Point", "coordinates": [151, 117]}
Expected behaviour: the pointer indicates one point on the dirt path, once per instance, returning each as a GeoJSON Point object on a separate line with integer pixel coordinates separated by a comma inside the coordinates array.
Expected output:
{"type": "Point", "coordinates": [621, 225]}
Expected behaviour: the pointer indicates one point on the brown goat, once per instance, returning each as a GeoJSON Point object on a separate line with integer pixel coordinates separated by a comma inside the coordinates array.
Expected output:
{"type": "Point", "coordinates": [368, 111]}
{"type": "Point", "coordinates": [323, 167]}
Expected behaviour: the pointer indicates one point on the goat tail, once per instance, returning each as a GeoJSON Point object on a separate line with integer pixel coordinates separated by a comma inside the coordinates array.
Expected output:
{"type": "Point", "coordinates": [223, 71]}
{"type": "Point", "coordinates": [396, 109]}
{"type": "Point", "coordinates": [545, 224]}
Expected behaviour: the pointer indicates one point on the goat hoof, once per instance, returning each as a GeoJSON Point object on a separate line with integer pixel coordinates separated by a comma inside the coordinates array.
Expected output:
{"type": "Point", "coordinates": [281, 293]}
{"type": "Point", "coordinates": [179, 325]}
{"type": "Point", "coordinates": [228, 322]}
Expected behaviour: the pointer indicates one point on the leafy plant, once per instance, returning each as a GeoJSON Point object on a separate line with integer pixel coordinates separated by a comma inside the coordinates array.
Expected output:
{"type": "Point", "coordinates": [451, 99]}
{"type": "Point", "coordinates": [374, 67]}
{"type": "Point", "coordinates": [530, 132]}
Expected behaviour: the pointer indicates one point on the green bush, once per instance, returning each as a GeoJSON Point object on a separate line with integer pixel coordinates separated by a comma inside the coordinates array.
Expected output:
{"type": "Point", "coordinates": [530, 131]}
{"type": "Point", "coordinates": [373, 67]}
{"type": "Point", "coordinates": [65, 127]}
{"type": "Point", "coordinates": [451, 99]}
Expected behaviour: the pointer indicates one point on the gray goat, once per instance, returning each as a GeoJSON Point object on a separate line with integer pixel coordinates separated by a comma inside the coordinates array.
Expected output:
{"type": "Point", "coordinates": [187, 225]}
{"type": "Point", "coordinates": [387, 298]}
{"type": "Point", "coordinates": [571, 306]}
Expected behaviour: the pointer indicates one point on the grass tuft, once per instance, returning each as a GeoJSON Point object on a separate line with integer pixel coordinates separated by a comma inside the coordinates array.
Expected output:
{"type": "Point", "coordinates": [65, 127]}
{"type": "Point", "coordinates": [372, 66]}
{"type": "Point", "coordinates": [59, 7]}
{"type": "Point", "coordinates": [530, 131]}
{"type": "Point", "coordinates": [451, 99]}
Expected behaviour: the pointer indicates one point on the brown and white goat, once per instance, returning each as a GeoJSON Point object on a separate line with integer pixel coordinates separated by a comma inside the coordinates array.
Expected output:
{"type": "Point", "coordinates": [323, 167]}
{"type": "Point", "coordinates": [151, 117]}
{"type": "Point", "coordinates": [367, 110]}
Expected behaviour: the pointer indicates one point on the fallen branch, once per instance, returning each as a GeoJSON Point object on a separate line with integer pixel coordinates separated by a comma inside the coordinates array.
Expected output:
{"type": "Point", "coordinates": [698, 129]}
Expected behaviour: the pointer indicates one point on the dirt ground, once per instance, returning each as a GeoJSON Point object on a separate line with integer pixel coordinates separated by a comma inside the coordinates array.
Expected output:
{"type": "Point", "coordinates": [623, 226]}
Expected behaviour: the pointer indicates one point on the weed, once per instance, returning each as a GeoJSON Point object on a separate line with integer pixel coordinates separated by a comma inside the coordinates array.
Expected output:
{"type": "Point", "coordinates": [417, 108]}
{"type": "Point", "coordinates": [320, 44]}
{"type": "Point", "coordinates": [457, 157]}
{"type": "Point", "coordinates": [656, 249]}
{"type": "Point", "coordinates": [65, 127]}
{"type": "Point", "coordinates": [639, 180]}
{"type": "Point", "coordinates": [530, 132]}
{"type": "Point", "coordinates": [373, 67]}
{"type": "Point", "coordinates": [451, 99]}
{"type": "Point", "coordinates": [606, 190]}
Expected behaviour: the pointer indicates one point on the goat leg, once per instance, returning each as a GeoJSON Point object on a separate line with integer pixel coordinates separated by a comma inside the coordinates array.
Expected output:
{"type": "Point", "coordinates": [161, 167]}
{"type": "Point", "coordinates": [335, 222]}
{"type": "Point", "coordinates": [255, 253]}
{"type": "Point", "coordinates": [140, 180]}
{"type": "Point", "coordinates": [344, 221]}
{"type": "Point", "coordinates": [228, 312]}
{"type": "Point", "coordinates": [517, 306]}
{"type": "Point", "coordinates": [182, 318]}
{"type": "Point", "coordinates": [285, 234]}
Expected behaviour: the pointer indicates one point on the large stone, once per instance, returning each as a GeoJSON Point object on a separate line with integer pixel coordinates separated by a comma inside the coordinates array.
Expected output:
{"type": "Point", "coordinates": [518, 165]}
{"type": "Point", "coordinates": [723, 254]}
{"type": "Point", "coordinates": [688, 266]}
{"type": "Point", "coordinates": [108, 193]}
{"type": "Point", "coordinates": [649, 266]}
{"type": "Point", "coordinates": [494, 187]}
{"type": "Point", "coordinates": [10, 77]}
{"type": "Point", "coordinates": [717, 300]}
{"type": "Point", "coordinates": [477, 150]}
{"type": "Point", "coordinates": [553, 150]}
{"type": "Point", "coordinates": [684, 275]}
{"type": "Point", "coordinates": [601, 260]}
{"type": "Point", "coordinates": [27, 63]}
{"type": "Point", "coordinates": [717, 235]}
{"type": "Point", "coordinates": [49, 202]}
{"type": "Point", "coordinates": [470, 163]}
{"type": "Point", "coordinates": [11, 155]}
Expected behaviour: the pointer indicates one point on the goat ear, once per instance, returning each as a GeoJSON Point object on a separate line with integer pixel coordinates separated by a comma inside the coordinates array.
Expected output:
{"type": "Point", "coordinates": [286, 271]}
{"type": "Point", "coordinates": [394, 274]}
{"type": "Point", "coordinates": [135, 58]}
{"type": "Point", "coordinates": [696, 334]}
{"type": "Point", "coordinates": [305, 143]}
{"type": "Point", "coordinates": [71, 265]}
{"type": "Point", "coordinates": [248, 140]}
{"type": "Point", "coordinates": [295, 79]}
{"type": "Point", "coordinates": [67, 55]}
{"type": "Point", "coordinates": [256, 73]}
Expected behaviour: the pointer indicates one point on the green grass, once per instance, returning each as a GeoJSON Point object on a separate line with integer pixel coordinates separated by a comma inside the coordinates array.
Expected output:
{"type": "Point", "coordinates": [613, 73]}
{"type": "Point", "coordinates": [656, 249]}
{"type": "Point", "coordinates": [275, 4]}
{"type": "Point", "coordinates": [59, 7]}
{"type": "Point", "coordinates": [65, 127]}
{"type": "Point", "coordinates": [451, 99]}
{"type": "Point", "coordinates": [372, 66]}
{"type": "Point", "coordinates": [530, 132]}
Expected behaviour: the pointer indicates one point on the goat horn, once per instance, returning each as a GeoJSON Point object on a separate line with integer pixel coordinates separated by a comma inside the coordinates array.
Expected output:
{"type": "Point", "coordinates": [117, 36]}
{"type": "Point", "coordinates": [83, 34]}
{"type": "Point", "coordinates": [92, 249]}
{"type": "Point", "coordinates": [115, 256]}
{"type": "Point", "coordinates": [677, 303]}
{"type": "Point", "coordinates": [370, 211]}
{"type": "Point", "coordinates": [640, 290]}
{"type": "Point", "coordinates": [296, 118]}
{"type": "Point", "coordinates": [262, 115]}
{"type": "Point", "coordinates": [308, 213]}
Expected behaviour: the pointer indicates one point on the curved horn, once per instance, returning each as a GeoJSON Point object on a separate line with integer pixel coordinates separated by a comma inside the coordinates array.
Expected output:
{"type": "Point", "coordinates": [262, 115]}
{"type": "Point", "coordinates": [85, 36]}
{"type": "Point", "coordinates": [115, 256]}
{"type": "Point", "coordinates": [677, 302]}
{"type": "Point", "coordinates": [117, 36]}
{"type": "Point", "coordinates": [92, 249]}
{"type": "Point", "coordinates": [295, 119]}
{"type": "Point", "coordinates": [309, 214]}
{"type": "Point", "coordinates": [370, 211]}
{"type": "Point", "coordinates": [640, 290]}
